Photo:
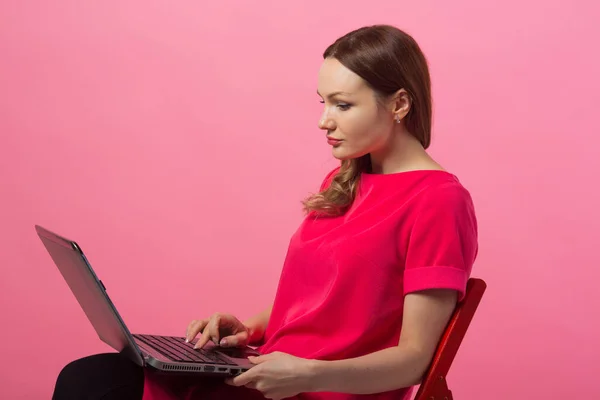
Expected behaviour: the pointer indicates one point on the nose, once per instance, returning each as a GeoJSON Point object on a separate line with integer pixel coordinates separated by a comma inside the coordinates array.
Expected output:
{"type": "Point", "coordinates": [326, 122]}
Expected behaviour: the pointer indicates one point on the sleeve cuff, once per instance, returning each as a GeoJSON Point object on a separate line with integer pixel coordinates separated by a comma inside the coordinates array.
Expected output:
{"type": "Point", "coordinates": [417, 279]}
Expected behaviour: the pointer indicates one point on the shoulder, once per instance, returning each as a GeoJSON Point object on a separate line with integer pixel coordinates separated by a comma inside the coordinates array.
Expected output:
{"type": "Point", "coordinates": [420, 190]}
{"type": "Point", "coordinates": [446, 192]}
{"type": "Point", "coordinates": [445, 202]}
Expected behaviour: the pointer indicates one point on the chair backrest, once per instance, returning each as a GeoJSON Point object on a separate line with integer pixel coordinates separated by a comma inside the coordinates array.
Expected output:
{"type": "Point", "coordinates": [434, 386]}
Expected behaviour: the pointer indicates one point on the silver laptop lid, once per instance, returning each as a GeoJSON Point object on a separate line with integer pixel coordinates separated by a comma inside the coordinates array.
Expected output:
{"type": "Point", "coordinates": [90, 293]}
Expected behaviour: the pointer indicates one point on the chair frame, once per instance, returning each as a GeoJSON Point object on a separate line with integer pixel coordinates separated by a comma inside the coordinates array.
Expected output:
{"type": "Point", "coordinates": [434, 385]}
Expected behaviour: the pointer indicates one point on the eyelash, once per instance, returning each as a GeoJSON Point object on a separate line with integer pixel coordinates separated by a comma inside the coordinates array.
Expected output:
{"type": "Point", "coordinates": [341, 106]}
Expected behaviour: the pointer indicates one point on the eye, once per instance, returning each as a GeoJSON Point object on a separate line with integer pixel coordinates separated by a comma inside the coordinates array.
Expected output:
{"type": "Point", "coordinates": [340, 106]}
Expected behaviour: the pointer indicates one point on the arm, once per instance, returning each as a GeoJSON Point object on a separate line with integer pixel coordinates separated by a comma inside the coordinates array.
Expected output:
{"type": "Point", "coordinates": [426, 315]}
{"type": "Point", "coordinates": [257, 326]}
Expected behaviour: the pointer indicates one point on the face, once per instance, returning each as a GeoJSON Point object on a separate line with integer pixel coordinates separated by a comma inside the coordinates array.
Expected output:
{"type": "Point", "coordinates": [352, 113]}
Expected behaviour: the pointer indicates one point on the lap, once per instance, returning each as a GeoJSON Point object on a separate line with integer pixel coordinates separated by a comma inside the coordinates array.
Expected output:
{"type": "Point", "coordinates": [111, 376]}
{"type": "Point", "coordinates": [159, 386]}
{"type": "Point", "coordinates": [101, 376]}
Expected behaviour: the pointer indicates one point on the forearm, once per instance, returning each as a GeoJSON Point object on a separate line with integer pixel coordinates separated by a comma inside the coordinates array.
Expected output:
{"type": "Point", "coordinates": [257, 326]}
{"type": "Point", "coordinates": [382, 371]}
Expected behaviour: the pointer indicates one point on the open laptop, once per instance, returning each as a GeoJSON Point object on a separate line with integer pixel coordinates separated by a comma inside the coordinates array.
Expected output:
{"type": "Point", "coordinates": [163, 353]}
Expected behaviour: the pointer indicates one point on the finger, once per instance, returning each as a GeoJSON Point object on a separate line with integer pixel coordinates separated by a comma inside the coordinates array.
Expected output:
{"type": "Point", "coordinates": [239, 339]}
{"type": "Point", "coordinates": [243, 379]}
{"type": "Point", "coordinates": [189, 329]}
{"type": "Point", "coordinates": [229, 381]}
{"type": "Point", "coordinates": [203, 339]}
{"type": "Point", "coordinates": [194, 328]}
{"type": "Point", "coordinates": [262, 358]}
{"type": "Point", "coordinates": [210, 332]}
{"type": "Point", "coordinates": [214, 328]}
{"type": "Point", "coordinates": [255, 360]}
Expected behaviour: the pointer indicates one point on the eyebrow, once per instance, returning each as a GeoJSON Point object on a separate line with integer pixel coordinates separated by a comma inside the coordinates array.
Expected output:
{"type": "Point", "coordinates": [331, 95]}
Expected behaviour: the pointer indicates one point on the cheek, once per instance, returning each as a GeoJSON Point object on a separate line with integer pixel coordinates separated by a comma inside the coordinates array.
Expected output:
{"type": "Point", "coordinates": [361, 128]}
{"type": "Point", "coordinates": [362, 137]}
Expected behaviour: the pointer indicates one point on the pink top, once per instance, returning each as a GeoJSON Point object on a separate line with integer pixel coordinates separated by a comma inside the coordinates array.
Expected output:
{"type": "Point", "coordinates": [342, 287]}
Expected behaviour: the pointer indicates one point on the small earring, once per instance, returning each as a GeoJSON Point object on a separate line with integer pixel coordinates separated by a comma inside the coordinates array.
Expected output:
{"type": "Point", "coordinates": [398, 119]}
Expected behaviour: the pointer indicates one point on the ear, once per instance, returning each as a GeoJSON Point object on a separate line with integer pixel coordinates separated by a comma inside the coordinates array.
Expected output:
{"type": "Point", "coordinates": [401, 103]}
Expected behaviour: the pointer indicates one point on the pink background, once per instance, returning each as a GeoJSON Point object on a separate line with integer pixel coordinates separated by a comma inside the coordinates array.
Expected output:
{"type": "Point", "coordinates": [174, 141]}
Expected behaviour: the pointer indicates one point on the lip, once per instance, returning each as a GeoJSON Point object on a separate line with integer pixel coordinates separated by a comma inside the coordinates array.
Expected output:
{"type": "Point", "coordinates": [333, 141]}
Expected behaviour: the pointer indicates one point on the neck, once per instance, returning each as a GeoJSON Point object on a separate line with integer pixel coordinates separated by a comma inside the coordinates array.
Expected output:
{"type": "Point", "coordinates": [403, 153]}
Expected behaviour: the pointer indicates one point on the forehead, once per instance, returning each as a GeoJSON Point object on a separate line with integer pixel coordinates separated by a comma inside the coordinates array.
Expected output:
{"type": "Point", "coordinates": [334, 77]}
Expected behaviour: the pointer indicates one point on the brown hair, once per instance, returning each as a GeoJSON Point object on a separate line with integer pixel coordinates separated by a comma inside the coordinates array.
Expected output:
{"type": "Point", "coordinates": [388, 59]}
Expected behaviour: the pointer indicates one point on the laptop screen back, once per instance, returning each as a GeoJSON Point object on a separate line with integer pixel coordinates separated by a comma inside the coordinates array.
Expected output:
{"type": "Point", "coordinates": [89, 292]}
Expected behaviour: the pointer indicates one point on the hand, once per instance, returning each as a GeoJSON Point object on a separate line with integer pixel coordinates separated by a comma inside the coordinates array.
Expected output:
{"type": "Point", "coordinates": [277, 375]}
{"type": "Point", "coordinates": [223, 329]}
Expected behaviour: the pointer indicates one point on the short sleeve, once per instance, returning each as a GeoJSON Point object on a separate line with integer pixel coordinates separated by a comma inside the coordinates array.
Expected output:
{"type": "Point", "coordinates": [442, 244]}
{"type": "Point", "coordinates": [327, 181]}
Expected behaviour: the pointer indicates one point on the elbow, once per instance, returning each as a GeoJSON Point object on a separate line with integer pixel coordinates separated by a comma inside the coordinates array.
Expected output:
{"type": "Point", "coordinates": [422, 361]}
{"type": "Point", "coordinates": [417, 379]}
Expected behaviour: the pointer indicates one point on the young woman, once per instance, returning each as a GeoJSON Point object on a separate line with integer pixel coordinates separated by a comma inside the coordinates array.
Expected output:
{"type": "Point", "coordinates": [374, 271]}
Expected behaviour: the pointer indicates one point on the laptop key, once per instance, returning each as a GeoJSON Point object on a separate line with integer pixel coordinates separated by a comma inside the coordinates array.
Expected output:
{"type": "Point", "coordinates": [176, 349]}
{"type": "Point", "coordinates": [166, 350]}
{"type": "Point", "coordinates": [189, 352]}
{"type": "Point", "coordinates": [148, 342]}
{"type": "Point", "coordinates": [165, 344]}
{"type": "Point", "coordinates": [212, 355]}
{"type": "Point", "coordinates": [208, 355]}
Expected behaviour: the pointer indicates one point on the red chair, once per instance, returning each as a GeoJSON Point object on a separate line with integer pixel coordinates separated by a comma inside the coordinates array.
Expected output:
{"type": "Point", "coordinates": [434, 385]}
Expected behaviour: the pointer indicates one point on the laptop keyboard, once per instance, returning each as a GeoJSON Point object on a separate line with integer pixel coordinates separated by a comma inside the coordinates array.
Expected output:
{"type": "Point", "coordinates": [178, 350]}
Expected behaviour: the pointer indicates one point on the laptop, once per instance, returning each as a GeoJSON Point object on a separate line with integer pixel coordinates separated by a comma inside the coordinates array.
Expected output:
{"type": "Point", "coordinates": [167, 354]}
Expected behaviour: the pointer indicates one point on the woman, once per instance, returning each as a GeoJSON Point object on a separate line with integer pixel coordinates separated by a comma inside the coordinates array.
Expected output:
{"type": "Point", "coordinates": [374, 271]}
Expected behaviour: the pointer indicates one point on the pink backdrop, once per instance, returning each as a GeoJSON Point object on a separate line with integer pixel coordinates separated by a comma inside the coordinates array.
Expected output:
{"type": "Point", "coordinates": [174, 141]}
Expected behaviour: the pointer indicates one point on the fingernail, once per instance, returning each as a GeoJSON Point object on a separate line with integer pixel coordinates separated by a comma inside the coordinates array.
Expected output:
{"type": "Point", "coordinates": [223, 342]}
{"type": "Point", "coordinates": [186, 340]}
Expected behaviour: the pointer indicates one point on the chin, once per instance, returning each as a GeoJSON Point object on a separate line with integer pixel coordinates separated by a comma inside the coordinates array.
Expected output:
{"type": "Point", "coordinates": [342, 155]}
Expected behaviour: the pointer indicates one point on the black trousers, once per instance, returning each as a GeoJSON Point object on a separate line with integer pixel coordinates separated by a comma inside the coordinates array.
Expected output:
{"type": "Point", "coordinates": [111, 376]}
{"type": "Point", "coordinates": [107, 376]}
